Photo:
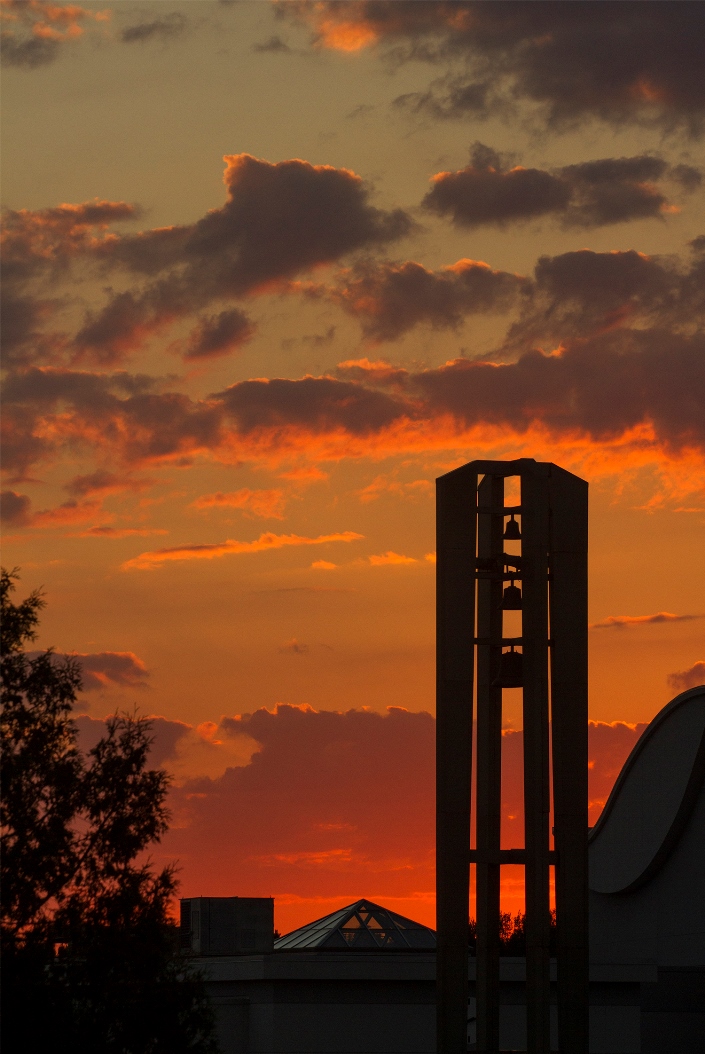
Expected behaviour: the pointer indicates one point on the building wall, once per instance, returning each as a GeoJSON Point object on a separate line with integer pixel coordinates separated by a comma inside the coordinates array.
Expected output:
{"type": "Point", "coordinates": [293, 1003]}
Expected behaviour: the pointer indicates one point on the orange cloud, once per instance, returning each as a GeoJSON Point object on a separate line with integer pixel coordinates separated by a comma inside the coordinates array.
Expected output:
{"type": "Point", "coordinates": [328, 858]}
{"type": "Point", "coordinates": [294, 647]}
{"type": "Point", "coordinates": [265, 542]}
{"type": "Point", "coordinates": [69, 512]}
{"type": "Point", "coordinates": [362, 821]}
{"type": "Point", "coordinates": [304, 474]}
{"type": "Point", "coordinates": [391, 558]}
{"type": "Point", "coordinates": [266, 503]}
{"type": "Point", "coordinates": [120, 532]}
{"type": "Point", "coordinates": [346, 36]}
{"type": "Point", "coordinates": [621, 621]}
{"type": "Point", "coordinates": [383, 485]}
{"type": "Point", "coordinates": [691, 678]}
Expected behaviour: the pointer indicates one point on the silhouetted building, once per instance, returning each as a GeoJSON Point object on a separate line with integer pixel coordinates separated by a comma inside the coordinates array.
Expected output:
{"type": "Point", "coordinates": [362, 979]}
{"type": "Point", "coordinates": [647, 878]}
{"type": "Point", "coordinates": [227, 925]}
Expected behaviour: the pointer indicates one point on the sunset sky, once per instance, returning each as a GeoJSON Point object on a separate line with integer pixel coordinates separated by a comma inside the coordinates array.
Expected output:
{"type": "Point", "coordinates": [269, 269]}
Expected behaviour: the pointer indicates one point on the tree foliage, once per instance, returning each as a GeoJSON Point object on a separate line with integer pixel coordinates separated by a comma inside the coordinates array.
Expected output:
{"type": "Point", "coordinates": [512, 934]}
{"type": "Point", "coordinates": [88, 947]}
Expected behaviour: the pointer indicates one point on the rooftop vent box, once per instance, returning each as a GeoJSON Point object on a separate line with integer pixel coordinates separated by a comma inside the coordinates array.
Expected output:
{"type": "Point", "coordinates": [227, 925]}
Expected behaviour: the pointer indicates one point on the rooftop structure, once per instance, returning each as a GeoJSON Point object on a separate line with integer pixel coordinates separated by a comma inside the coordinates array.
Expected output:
{"type": "Point", "coordinates": [363, 925]}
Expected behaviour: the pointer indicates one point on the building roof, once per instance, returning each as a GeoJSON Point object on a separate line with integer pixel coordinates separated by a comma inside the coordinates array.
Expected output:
{"type": "Point", "coordinates": [651, 803]}
{"type": "Point", "coordinates": [363, 925]}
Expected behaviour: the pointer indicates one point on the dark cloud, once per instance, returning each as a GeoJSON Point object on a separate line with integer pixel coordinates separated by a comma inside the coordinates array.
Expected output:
{"type": "Point", "coordinates": [118, 412]}
{"type": "Point", "coordinates": [165, 28]}
{"type": "Point", "coordinates": [624, 350]}
{"type": "Point", "coordinates": [319, 405]}
{"type": "Point", "coordinates": [22, 339]}
{"type": "Point", "coordinates": [622, 621]}
{"type": "Point", "coordinates": [573, 295]}
{"type": "Point", "coordinates": [37, 30]}
{"type": "Point", "coordinates": [578, 294]}
{"type": "Point", "coordinates": [106, 669]}
{"type": "Point", "coordinates": [219, 335]}
{"type": "Point", "coordinates": [103, 482]}
{"type": "Point", "coordinates": [613, 190]}
{"type": "Point", "coordinates": [166, 736]}
{"type": "Point", "coordinates": [112, 669]}
{"type": "Point", "coordinates": [690, 178]}
{"type": "Point", "coordinates": [590, 194]}
{"type": "Point", "coordinates": [43, 241]}
{"type": "Point", "coordinates": [691, 678]}
{"type": "Point", "coordinates": [294, 647]}
{"type": "Point", "coordinates": [478, 196]}
{"type": "Point", "coordinates": [614, 61]}
{"type": "Point", "coordinates": [458, 97]}
{"type": "Point", "coordinates": [29, 52]}
{"type": "Point", "coordinates": [273, 44]}
{"type": "Point", "coordinates": [280, 220]}
{"type": "Point", "coordinates": [320, 340]}
{"type": "Point", "coordinates": [107, 336]}
{"type": "Point", "coordinates": [15, 508]}
{"type": "Point", "coordinates": [599, 388]}
{"type": "Point", "coordinates": [39, 249]}
{"type": "Point", "coordinates": [390, 299]}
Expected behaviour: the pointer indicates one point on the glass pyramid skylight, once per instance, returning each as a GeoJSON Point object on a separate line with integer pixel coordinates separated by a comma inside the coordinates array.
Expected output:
{"type": "Point", "coordinates": [364, 926]}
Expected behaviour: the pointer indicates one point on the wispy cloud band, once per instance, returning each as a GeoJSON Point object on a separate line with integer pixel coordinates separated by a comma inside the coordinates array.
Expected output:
{"type": "Point", "coordinates": [622, 621]}
{"type": "Point", "coordinates": [150, 560]}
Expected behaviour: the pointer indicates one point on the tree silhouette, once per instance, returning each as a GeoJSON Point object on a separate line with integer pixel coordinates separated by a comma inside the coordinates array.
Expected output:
{"type": "Point", "coordinates": [512, 934]}
{"type": "Point", "coordinates": [87, 943]}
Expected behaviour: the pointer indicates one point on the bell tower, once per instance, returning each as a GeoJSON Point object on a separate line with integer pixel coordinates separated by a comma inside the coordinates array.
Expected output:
{"type": "Point", "coordinates": [539, 588]}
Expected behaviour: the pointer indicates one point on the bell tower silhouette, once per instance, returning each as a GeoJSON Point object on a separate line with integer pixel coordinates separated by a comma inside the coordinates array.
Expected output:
{"type": "Point", "coordinates": [478, 582]}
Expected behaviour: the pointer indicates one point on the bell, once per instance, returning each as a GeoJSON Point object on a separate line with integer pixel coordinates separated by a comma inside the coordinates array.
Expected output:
{"type": "Point", "coordinates": [510, 670]}
{"type": "Point", "coordinates": [512, 531]}
{"type": "Point", "coordinates": [511, 598]}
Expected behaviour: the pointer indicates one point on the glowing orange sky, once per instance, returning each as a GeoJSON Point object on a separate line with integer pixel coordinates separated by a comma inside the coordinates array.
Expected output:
{"type": "Point", "coordinates": [270, 270]}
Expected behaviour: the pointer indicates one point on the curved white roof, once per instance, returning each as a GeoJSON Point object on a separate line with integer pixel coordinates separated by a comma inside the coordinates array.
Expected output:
{"type": "Point", "coordinates": [652, 799]}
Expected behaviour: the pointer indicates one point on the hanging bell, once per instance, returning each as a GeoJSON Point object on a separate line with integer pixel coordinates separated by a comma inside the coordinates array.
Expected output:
{"type": "Point", "coordinates": [510, 670]}
{"type": "Point", "coordinates": [512, 531]}
{"type": "Point", "coordinates": [511, 598]}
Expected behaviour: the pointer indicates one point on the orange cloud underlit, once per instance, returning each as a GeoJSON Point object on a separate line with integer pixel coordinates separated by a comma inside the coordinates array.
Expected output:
{"type": "Point", "coordinates": [385, 559]}
{"type": "Point", "coordinates": [265, 503]}
{"type": "Point", "coordinates": [331, 842]}
{"type": "Point", "coordinates": [120, 532]}
{"type": "Point", "coordinates": [620, 621]}
{"type": "Point", "coordinates": [148, 561]}
{"type": "Point", "coordinates": [346, 36]}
